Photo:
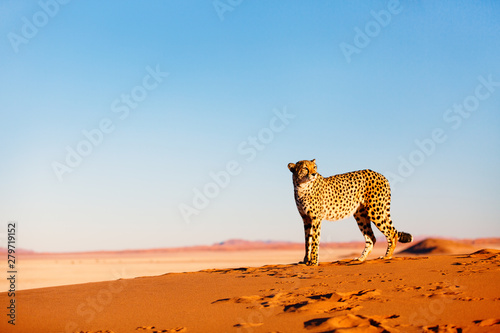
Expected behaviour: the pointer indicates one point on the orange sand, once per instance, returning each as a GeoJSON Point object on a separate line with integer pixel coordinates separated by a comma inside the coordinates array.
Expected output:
{"type": "Point", "coordinates": [443, 293]}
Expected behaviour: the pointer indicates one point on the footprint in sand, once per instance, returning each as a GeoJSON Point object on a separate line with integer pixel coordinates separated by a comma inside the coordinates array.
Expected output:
{"type": "Point", "coordinates": [439, 289]}
{"type": "Point", "coordinates": [154, 329]}
{"type": "Point", "coordinates": [488, 322]}
{"type": "Point", "coordinates": [365, 294]}
{"type": "Point", "coordinates": [248, 325]}
{"type": "Point", "coordinates": [325, 303]}
{"type": "Point", "coordinates": [354, 323]}
{"type": "Point", "coordinates": [405, 288]}
{"type": "Point", "coordinates": [320, 306]}
{"type": "Point", "coordinates": [256, 301]}
{"type": "Point", "coordinates": [469, 299]}
{"type": "Point", "coordinates": [306, 301]}
{"type": "Point", "coordinates": [408, 258]}
{"type": "Point", "coordinates": [99, 331]}
{"type": "Point", "coordinates": [442, 329]}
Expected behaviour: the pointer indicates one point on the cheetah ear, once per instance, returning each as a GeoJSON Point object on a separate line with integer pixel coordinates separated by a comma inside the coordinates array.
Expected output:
{"type": "Point", "coordinates": [291, 167]}
{"type": "Point", "coordinates": [313, 160]}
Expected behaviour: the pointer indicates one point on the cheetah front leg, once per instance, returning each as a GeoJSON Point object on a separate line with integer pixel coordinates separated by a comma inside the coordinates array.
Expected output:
{"type": "Point", "coordinates": [308, 239]}
{"type": "Point", "coordinates": [312, 230]}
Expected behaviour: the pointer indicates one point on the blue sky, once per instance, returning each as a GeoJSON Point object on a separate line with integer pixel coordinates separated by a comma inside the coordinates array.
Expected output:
{"type": "Point", "coordinates": [158, 97]}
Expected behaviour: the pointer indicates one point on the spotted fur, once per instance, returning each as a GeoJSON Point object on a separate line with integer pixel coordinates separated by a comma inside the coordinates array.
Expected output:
{"type": "Point", "coordinates": [365, 194]}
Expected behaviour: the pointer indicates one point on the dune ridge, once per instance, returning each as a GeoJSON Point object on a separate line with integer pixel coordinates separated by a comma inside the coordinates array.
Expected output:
{"type": "Point", "coordinates": [54, 269]}
{"type": "Point", "coordinates": [247, 245]}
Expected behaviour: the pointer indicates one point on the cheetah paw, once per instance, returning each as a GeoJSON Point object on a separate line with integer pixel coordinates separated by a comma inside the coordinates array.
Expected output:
{"type": "Point", "coordinates": [311, 263]}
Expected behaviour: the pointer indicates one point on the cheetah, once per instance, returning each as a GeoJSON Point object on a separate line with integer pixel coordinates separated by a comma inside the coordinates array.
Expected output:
{"type": "Point", "coordinates": [365, 194]}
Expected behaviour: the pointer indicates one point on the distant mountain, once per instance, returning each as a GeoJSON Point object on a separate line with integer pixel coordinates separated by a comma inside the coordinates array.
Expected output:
{"type": "Point", "coordinates": [425, 246]}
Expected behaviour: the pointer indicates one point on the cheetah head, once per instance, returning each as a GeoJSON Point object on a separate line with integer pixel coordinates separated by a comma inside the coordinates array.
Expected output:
{"type": "Point", "coordinates": [304, 171]}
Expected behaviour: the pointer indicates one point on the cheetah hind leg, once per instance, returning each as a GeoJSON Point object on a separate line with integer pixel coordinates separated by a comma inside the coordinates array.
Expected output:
{"type": "Point", "coordinates": [366, 229]}
{"type": "Point", "coordinates": [400, 236]}
{"type": "Point", "coordinates": [392, 238]}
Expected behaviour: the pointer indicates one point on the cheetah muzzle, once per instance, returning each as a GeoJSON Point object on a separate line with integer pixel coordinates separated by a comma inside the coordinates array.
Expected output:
{"type": "Point", "coordinates": [365, 194]}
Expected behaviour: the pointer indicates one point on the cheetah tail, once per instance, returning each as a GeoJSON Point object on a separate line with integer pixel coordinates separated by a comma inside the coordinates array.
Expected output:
{"type": "Point", "coordinates": [404, 237]}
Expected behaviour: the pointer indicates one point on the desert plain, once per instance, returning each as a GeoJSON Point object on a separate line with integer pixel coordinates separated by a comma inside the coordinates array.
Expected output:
{"type": "Point", "coordinates": [434, 285]}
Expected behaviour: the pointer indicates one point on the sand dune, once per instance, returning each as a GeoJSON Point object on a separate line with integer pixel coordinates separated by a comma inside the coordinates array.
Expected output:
{"type": "Point", "coordinates": [432, 246]}
{"type": "Point", "coordinates": [54, 269]}
{"type": "Point", "coordinates": [441, 293]}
